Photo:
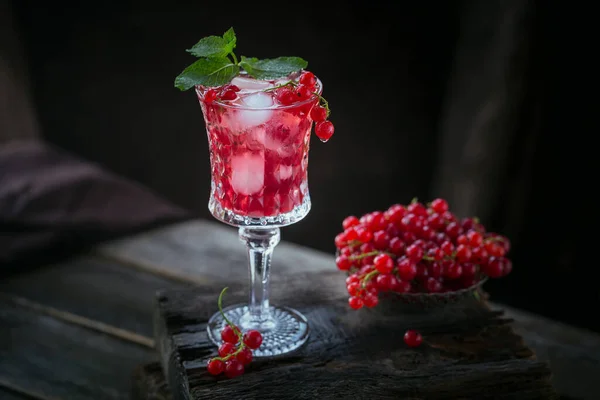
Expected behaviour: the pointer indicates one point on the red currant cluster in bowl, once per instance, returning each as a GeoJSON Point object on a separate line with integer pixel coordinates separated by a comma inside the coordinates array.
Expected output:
{"type": "Point", "coordinates": [235, 353]}
{"type": "Point", "coordinates": [417, 248]}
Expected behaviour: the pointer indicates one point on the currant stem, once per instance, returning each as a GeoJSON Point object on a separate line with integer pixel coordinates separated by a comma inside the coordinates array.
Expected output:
{"type": "Point", "coordinates": [368, 277]}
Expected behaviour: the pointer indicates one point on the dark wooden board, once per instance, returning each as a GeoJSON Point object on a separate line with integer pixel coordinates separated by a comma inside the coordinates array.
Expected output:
{"type": "Point", "coordinates": [471, 352]}
{"type": "Point", "coordinates": [60, 360]}
{"type": "Point", "coordinates": [94, 288]}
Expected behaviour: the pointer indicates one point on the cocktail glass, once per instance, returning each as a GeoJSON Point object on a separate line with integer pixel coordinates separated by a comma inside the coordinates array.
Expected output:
{"type": "Point", "coordinates": [259, 159]}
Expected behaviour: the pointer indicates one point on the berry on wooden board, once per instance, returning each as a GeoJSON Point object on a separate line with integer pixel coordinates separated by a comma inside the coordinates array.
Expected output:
{"type": "Point", "coordinates": [417, 248]}
{"type": "Point", "coordinates": [236, 350]}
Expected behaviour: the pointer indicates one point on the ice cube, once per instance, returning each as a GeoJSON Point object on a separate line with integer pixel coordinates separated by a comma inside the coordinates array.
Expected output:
{"type": "Point", "coordinates": [249, 118]}
{"type": "Point", "coordinates": [250, 84]}
{"type": "Point", "coordinates": [248, 173]}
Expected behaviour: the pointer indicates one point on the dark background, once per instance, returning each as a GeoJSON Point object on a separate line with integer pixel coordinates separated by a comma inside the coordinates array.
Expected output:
{"type": "Point", "coordinates": [472, 101]}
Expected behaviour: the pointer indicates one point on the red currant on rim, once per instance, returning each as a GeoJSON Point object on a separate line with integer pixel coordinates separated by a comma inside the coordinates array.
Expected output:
{"type": "Point", "coordinates": [228, 334]}
{"type": "Point", "coordinates": [318, 113]}
{"type": "Point", "coordinates": [440, 206]}
{"type": "Point", "coordinates": [285, 96]}
{"type": "Point", "coordinates": [225, 349]}
{"type": "Point", "coordinates": [244, 356]}
{"type": "Point", "coordinates": [355, 302]}
{"type": "Point", "coordinates": [384, 263]}
{"type": "Point", "coordinates": [215, 367]}
{"type": "Point", "coordinates": [349, 222]}
{"type": "Point", "coordinates": [253, 339]}
{"type": "Point", "coordinates": [303, 92]}
{"type": "Point", "coordinates": [233, 368]}
{"type": "Point", "coordinates": [308, 78]}
{"type": "Point", "coordinates": [413, 338]}
{"type": "Point", "coordinates": [324, 130]}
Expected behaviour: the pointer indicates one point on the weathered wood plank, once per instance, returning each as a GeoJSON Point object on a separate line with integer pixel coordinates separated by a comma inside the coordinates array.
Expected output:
{"type": "Point", "coordinates": [93, 288]}
{"type": "Point", "coordinates": [470, 351]}
{"type": "Point", "coordinates": [6, 394]}
{"type": "Point", "coordinates": [64, 361]}
{"type": "Point", "coordinates": [204, 251]}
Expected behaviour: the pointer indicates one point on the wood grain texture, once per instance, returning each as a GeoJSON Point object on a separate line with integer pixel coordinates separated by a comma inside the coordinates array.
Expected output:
{"type": "Point", "coordinates": [96, 289]}
{"type": "Point", "coordinates": [64, 361]}
{"type": "Point", "coordinates": [470, 352]}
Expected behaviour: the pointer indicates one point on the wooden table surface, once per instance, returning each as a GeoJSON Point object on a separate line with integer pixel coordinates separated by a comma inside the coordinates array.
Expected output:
{"type": "Point", "coordinates": [78, 329]}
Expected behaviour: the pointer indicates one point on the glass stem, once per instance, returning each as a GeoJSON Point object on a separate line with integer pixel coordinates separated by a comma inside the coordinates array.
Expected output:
{"type": "Point", "coordinates": [260, 244]}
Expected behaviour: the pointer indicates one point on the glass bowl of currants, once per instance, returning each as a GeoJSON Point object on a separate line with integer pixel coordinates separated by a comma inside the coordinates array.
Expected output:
{"type": "Point", "coordinates": [420, 254]}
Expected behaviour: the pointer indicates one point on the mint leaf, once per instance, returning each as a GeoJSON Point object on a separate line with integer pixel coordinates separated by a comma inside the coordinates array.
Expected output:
{"type": "Point", "coordinates": [215, 46]}
{"type": "Point", "coordinates": [207, 72]}
{"type": "Point", "coordinates": [272, 68]}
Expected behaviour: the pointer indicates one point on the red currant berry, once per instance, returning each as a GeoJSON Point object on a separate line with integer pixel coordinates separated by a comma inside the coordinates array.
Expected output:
{"type": "Point", "coordinates": [324, 130]}
{"type": "Point", "coordinates": [368, 261]}
{"type": "Point", "coordinates": [453, 230]}
{"type": "Point", "coordinates": [318, 113]}
{"type": "Point", "coordinates": [370, 300]}
{"type": "Point", "coordinates": [408, 237]}
{"type": "Point", "coordinates": [413, 338]}
{"type": "Point", "coordinates": [435, 221]}
{"type": "Point", "coordinates": [417, 209]}
{"type": "Point", "coordinates": [462, 239]}
{"type": "Point", "coordinates": [347, 251]}
{"type": "Point", "coordinates": [354, 288]}
{"type": "Point", "coordinates": [343, 263]}
{"type": "Point", "coordinates": [441, 237]}
{"type": "Point", "coordinates": [381, 240]}
{"type": "Point", "coordinates": [352, 279]}
{"type": "Point", "coordinates": [436, 253]}
{"type": "Point", "coordinates": [371, 287]}
{"type": "Point", "coordinates": [397, 246]}
{"type": "Point", "coordinates": [384, 263]}
{"type": "Point", "coordinates": [479, 255]}
{"type": "Point", "coordinates": [384, 282]}
{"type": "Point", "coordinates": [210, 96]}
{"type": "Point", "coordinates": [366, 247]}
{"type": "Point", "coordinates": [355, 302]}
{"type": "Point", "coordinates": [440, 206]}
{"type": "Point", "coordinates": [407, 270]}
{"type": "Point", "coordinates": [494, 249]}
{"type": "Point", "coordinates": [403, 287]}
{"type": "Point", "coordinates": [245, 356]}
{"type": "Point", "coordinates": [340, 240]}
{"type": "Point", "coordinates": [366, 269]}
{"type": "Point", "coordinates": [422, 272]}
{"type": "Point", "coordinates": [433, 285]}
{"type": "Point", "coordinates": [463, 253]}
{"type": "Point", "coordinates": [215, 367]}
{"type": "Point", "coordinates": [285, 96]}
{"type": "Point", "coordinates": [364, 235]}
{"type": "Point", "coordinates": [469, 270]}
{"type": "Point", "coordinates": [225, 349]}
{"type": "Point", "coordinates": [350, 234]}
{"type": "Point", "coordinates": [467, 223]}
{"type": "Point", "coordinates": [414, 252]}
{"type": "Point", "coordinates": [349, 222]}
{"type": "Point", "coordinates": [453, 271]}
{"type": "Point", "coordinates": [427, 232]}
{"type": "Point", "coordinates": [434, 270]}
{"type": "Point", "coordinates": [495, 267]}
{"type": "Point", "coordinates": [228, 95]}
{"type": "Point", "coordinates": [376, 221]}
{"type": "Point", "coordinates": [507, 267]}
{"type": "Point", "coordinates": [447, 247]}
{"type": "Point", "coordinates": [233, 368]}
{"type": "Point", "coordinates": [475, 238]}
{"type": "Point", "coordinates": [303, 92]}
{"type": "Point", "coordinates": [308, 79]}
{"type": "Point", "coordinates": [229, 334]}
{"type": "Point", "coordinates": [392, 230]}
{"type": "Point", "coordinates": [505, 243]}
{"type": "Point", "coordinates": [253, 339]}
{"type": "Point", "coordinates": [396, 213]}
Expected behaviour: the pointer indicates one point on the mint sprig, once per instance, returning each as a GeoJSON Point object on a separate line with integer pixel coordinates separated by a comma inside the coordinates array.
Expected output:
{"type": "Point", "coordinates": [217, 64]}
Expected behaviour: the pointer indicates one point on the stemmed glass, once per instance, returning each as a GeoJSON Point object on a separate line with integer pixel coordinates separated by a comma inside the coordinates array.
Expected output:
{"type": "Point", "coordinates": [259, 159]}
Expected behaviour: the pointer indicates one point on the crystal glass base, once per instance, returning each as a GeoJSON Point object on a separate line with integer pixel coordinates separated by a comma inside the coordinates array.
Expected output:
{"type": "Point", "coordinates": [284, 331]}
{"type": "Point", "coordinates": [230, 217]}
